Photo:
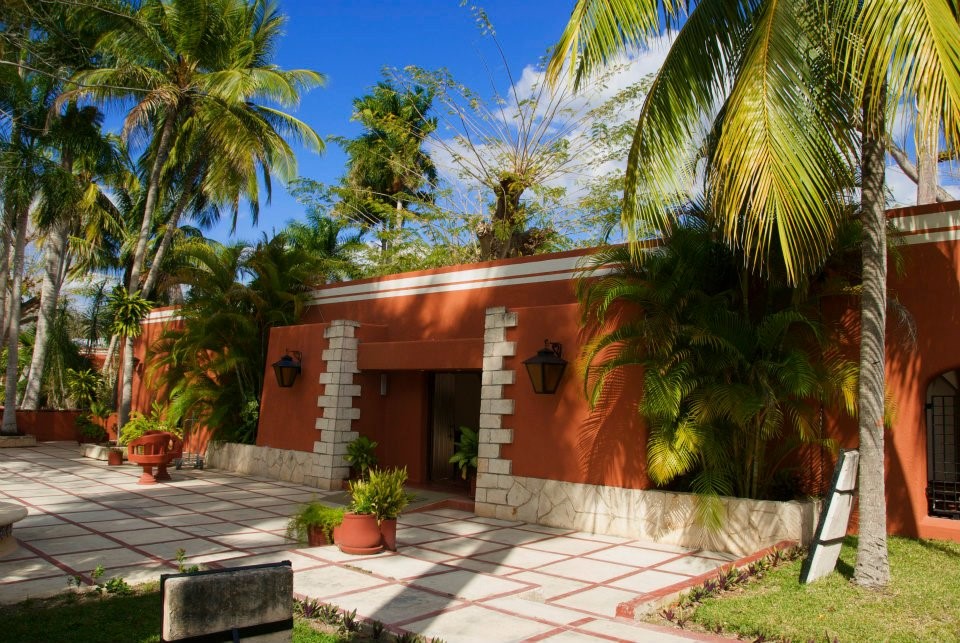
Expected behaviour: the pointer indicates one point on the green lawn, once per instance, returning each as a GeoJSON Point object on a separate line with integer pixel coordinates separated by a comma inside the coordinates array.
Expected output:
{"type": "Point", "coordinates": [922, 602]}
{"type": "Point", "coordinates": [132, 619]}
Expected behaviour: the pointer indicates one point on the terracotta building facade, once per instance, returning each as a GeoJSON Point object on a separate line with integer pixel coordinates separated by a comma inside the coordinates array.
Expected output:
{"type": "Point", "coordinates": [408, 359]}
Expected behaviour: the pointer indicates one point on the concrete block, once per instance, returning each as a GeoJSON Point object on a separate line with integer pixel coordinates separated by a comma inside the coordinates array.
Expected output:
{"type": "Point", "coordinates": [498, 407]}
{"type": "Point", "coordinates": [487, 481]}
{"type": "Point", "coordinates": [488, 451]}
{"type": "Point", "coordinates": [499, 349]}
{"type": "Point", "coordinates": [510, 320]}
{"type": "Point", "coordinates": [344, 342]}
{"type": "Point", "coordinates": [498, 378]}
{"type": "Point", "coordinates": [332, 355]}
{"type": "Point", "coordinates": [325, 401]}
{"type": "Point", "coordinates": [491, 392]}
{"type": "Point", "coordinates": [496, 436]}
{"type": "Point", "coordinates": [490, 421]}
{"type": "Point", "coordinates": [495, 335]}
{"type": "Point", "coordinates": [336, 378]}
{"type": "Point", "coordinates": [496, 310]}
{"type": "Point", "coordinates": [502, 467]}
{"type": "Point", "coordinates": [481, 496]}
{"type": "Point", "coordinates": [492, 363]}
{"type": "Point", "coordinates": [218, 601]}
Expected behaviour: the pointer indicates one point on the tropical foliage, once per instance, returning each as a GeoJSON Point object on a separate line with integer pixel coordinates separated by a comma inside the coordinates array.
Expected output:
{"type": "Point", "coordinates": [796, 101]}
{"type": "Point", "coordinates": [212, 364]}
{"type": "Point", "coordinates": [735, 370]}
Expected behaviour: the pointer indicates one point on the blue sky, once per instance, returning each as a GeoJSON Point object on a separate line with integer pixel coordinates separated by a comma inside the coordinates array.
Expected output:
{"type": "Point", "coordinates": [352, 41]}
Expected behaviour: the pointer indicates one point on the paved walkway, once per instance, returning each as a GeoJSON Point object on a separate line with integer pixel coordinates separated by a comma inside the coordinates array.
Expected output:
{"type": "Point", "coordinates": [457, 576]}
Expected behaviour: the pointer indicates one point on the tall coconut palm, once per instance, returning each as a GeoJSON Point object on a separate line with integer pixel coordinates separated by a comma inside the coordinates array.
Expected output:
{"type": "Point", "coordinates": [781, 78]}
{"type": "Point", "coordinates": [71, 205]}
{"type": "Point", "coordinates": [388, 170]}
{"type": "Point", "coordinates": [205, 62]}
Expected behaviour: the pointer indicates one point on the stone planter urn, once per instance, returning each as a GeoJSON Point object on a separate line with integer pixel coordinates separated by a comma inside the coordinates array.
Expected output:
{"type": "Point", "coordinates": [358, 534]}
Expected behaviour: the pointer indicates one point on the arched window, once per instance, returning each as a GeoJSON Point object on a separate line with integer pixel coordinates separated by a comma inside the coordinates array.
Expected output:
{"type": "Point", "coordinates": [943, 445]}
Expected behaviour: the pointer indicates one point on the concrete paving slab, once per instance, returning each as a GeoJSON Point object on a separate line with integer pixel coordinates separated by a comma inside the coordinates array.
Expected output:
{"type": "Point", "coordinates": [462, 626]}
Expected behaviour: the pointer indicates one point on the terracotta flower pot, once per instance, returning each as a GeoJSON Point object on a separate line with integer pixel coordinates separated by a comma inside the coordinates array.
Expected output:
{"type": "Point", "coordinates": [114, 458]}
{"type": "Point", "coordinates": [388, 529]}
{"type": "Point", "coordinates": [358, 534]}
{"type": "Point", "coordinates": [317, 537]}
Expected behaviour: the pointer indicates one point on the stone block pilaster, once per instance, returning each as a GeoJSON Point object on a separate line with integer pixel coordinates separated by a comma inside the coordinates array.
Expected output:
{"type": "Point", "coordinates": [337, 412]}
{"type": "Point", "coordinates": [495, 473]}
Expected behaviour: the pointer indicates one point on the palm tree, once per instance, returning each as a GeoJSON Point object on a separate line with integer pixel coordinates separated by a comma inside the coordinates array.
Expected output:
{"type": "Point", "coordinates": [731, 366]}
{"type": "Point", "coordinates": [198, 69]}
{"type": "Point", "coordinates": [71, 205]}
{"type": "Point", "coordinates": [794, 86]}
{"type": "Point", "coordinates": [330, 242]}
{"type": "Point", "coordinates": [389, 174]}
{"type": "Point", "coordinates": [213, 364]}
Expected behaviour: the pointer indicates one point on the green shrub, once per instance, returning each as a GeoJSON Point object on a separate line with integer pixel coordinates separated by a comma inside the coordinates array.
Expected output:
{"type": "Point", "coordinates": [360, 455]}
{"type": "Point", "coordinates": [362, 495]}
{"type": "Point", "coordinates": [387, 497]}
{"type": "Point", "coordinates": [138, 425]}
{"type": "Point", "coordinates": [314, 514]}
{"type": "Point", "coordinates": [465, 457]}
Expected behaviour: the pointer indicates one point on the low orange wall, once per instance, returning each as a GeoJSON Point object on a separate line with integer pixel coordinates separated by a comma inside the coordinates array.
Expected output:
{"type": "Point", "coordinates": [49, 426]}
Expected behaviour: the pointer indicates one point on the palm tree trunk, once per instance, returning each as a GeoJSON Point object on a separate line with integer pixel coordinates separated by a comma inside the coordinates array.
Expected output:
{"type": "Point", "coordinates": [111, 352]}
{"type": "Point", "coordinates": [5, 243]}
{"type": "Point", "coordinates": [872, 568]}
{"type": "Point", "coordinates": [9, 426]}
{"type": "Point", "coordinates": [133, 285]}
{"type": "Point", "coordinates": [169, 230]}
{"type": "Point", "coordinates": [49, 294]}
{"type": "Point", "coordinates": [927, 171]}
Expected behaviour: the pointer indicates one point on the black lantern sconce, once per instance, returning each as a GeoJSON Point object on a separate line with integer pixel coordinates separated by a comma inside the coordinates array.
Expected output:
{"type": "Point", "coordinates": [287, 368]}
{"type": "Point", "coordinates": [546, 367]}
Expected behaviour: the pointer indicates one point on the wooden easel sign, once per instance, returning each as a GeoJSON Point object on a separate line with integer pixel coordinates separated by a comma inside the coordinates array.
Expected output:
{"type": "Point", "coordinates": [834, 518]}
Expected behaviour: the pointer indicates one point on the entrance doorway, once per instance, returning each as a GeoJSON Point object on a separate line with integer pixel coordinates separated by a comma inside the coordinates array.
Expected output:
{"type": "Point", "coordinates": [456, 403]}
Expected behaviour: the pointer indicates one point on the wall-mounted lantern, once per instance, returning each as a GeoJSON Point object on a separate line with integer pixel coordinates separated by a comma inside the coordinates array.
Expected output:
{"type": "Point", "coordinates": [546, 367]}
{"type": "Point", "coordinates": [287, 368]}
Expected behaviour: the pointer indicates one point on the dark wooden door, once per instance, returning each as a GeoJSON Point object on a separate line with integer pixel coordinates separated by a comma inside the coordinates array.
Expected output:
{"type": "Point", "coordinates": [456, 403]}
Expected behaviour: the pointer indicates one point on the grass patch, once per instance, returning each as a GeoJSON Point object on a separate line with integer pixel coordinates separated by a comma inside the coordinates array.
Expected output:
{"type": "Point", "coordinates": [107, 619]}
{"type": "Point", "coordinates": [922, 602]}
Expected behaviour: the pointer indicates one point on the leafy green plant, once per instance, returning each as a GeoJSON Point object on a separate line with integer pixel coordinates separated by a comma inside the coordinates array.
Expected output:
{"type": "Point", "coordinates": [362, 497]}
{"type": "Point", "coordinates": [139, 425]}
{"type": "Point", "coordinates": [361, 455]}
{"type": "Point", "coordinates": [314, 514]}
{"type": "Point", "coordinates": [465, 455]}
{"type": "Point", "coordinates": [386, 494]}
{"type": "Point", "coordinates": [90, 429]}
{"type": "Point", "coordinates": [83, 386]}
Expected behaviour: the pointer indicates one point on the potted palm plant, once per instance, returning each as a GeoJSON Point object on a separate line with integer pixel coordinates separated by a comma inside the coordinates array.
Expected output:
{"type": "Point", "coordinates": [314, 524]}
{"type": "Point", "coordinates": [361, 456]}
{"type": "Point", "coordinates": [359, 532]}
{"type": "Point", "coordinates": [465, 456]}
{"type": "Point", "coordinates": [388, 499]}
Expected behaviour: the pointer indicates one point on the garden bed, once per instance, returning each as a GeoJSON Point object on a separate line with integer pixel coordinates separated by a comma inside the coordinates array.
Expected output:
{"type": "Point", "coordinates": [922, 602]}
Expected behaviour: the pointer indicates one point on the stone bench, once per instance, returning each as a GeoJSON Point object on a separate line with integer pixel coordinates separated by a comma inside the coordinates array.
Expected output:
{"type": "Point", "coordinates": [9, 514]}
{"type": "Point", "coordinates": [154, 449]}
